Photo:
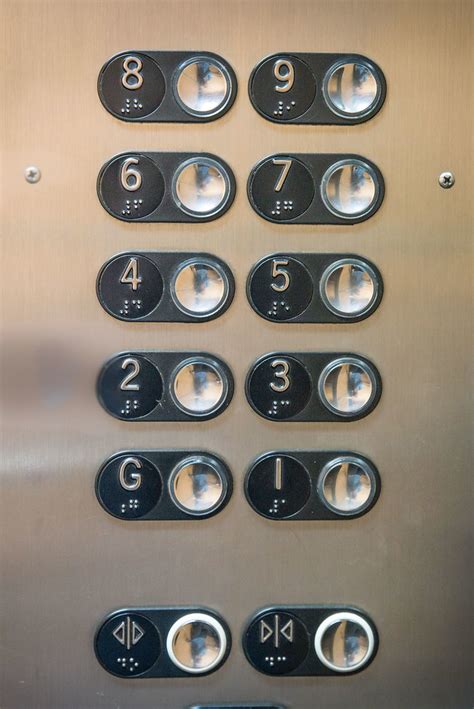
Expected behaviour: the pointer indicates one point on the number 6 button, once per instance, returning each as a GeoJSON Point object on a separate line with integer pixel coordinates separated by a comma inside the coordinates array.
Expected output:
{"type": "Point", "coordinates": [165, 386]}
{"type": "Point", "coordinates": [310, 386]}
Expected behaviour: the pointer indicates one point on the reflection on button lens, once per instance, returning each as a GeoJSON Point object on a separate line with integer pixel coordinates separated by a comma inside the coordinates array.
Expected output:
{"type": "Point", "coordinates": [196, 643]}
{"type": "Point", "coordinates": [197, 487]}
{"type": "Point", "coordinates": [351, 89]}
{"type": "Point", "coordinates": [199, 288]}
{"type": "Point", "coordinates": [203, 87]}
{"type": "Point", "coordinates": [349, 288]}
{"type": "Point", "coordinates": [346, 485]}
{"type": "Point", "coordinates": [344, 642]}
{"type": "Point", "coordinates": [198, 387]}
{"type": "Point", "coordinates": [346, 387]}
{"type": "Point", "coordinates": [349, 188]}
{"type": "Point", "coordinates": [201, 187]}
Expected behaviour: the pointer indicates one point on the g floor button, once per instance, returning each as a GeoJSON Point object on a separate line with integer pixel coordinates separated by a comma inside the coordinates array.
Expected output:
{"type": "Point", "coordinates": [130, 287]}
{"type": "Point", "coordinates": [276, 643]}
{"type": "Point", "coordinates": [129, 386]}
{"type": "Point", "coordinates": [278, 486]}
{"type": "Point", "coordinates": [282, 87]}
{"type": "Point", "coordinates": [197, 643]}
{"type": "Point", "coordinates": [128, 645]}
{"type": "Point", "coordinates": [280, 288]}
{"type": "Point", "coordinates": [131, 186]}
{"type": "Point", "coordinates": [129, 486]}
{"type": "Point", "coordinates": [131, 86]}
{"type": "Point", "coordinates": [281, 188]}
{"type": "Point", "coordinates": [197, 486]}
{"type": "Point", "coordinates": [278, 387]}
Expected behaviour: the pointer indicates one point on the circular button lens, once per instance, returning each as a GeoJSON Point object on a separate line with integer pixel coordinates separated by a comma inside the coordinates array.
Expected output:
{"type": "Point", "coordinates": [349, 288]}
{"type": "Point", "coordinates": [196, 643]}
{"type": "Point", "coordinates": [347, 485]}
{"type": "Point", "coordinates": [347, 386]}
{"type": "Point", "coordinates": [349, 188]}
{"type": "Point", "coordinates": [197, 487]}
{"type": "Point", "coordinates": [203, 87]}
{"type": "Point", "coordinates": [200, 288]}
{"type": "Point", "coordinates": [344, 642]}
{"type": "Point", "coordinates": [201, 187]}
{"type": "Point", "coordinates": [351, 89]}
{"type": "Point", "coordinates": [199, 387]}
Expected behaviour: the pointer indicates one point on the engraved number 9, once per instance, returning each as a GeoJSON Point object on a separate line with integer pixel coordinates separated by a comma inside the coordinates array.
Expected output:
{"type": "Point", "coordinates": [133, 71]}
{"type": "Point", "coordinates": [281, 374]}
{"type": "Point", "coordinates": [130, 178]}
{"type": "Point", "coordinates": [283, 70]}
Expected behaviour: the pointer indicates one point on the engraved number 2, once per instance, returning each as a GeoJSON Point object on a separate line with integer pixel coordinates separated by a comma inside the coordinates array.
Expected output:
{"type": "Point", "coordinates": [132, 71]}
{"type": "Point", "coordinates": [126, 383]}
{"type": "Point", "coordinates": [281, 374]}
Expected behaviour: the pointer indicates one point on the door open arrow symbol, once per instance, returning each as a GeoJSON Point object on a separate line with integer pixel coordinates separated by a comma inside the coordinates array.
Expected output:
{"type": "Point", "coordinates": [128, 633]}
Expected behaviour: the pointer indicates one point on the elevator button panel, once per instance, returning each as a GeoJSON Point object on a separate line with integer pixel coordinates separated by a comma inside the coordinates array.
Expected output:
{"type": "Point", "coordinates": [314, 288]}
{"type": "Point", "coordinates": [310, 641]}
{"type": "Point", "coordinates": [159, 87]}
{"type": "Point", "coordinates": [312, 485]}
{"type": "Point", "coordinates": [165, 287]}
{"type": "Point", "coordinates": [237, 706]}
{"type": "Point", "coordinates": [163, 485]}
{"type": "Point", "coordinates": [162, 642]}
{"type": "Point", "coordinates": [165, 386]}
{"type": "Point", "coordinates": [315, 188]}
{"type": "Point", "coordinates": [339, 89]}
{"type": "Point", "coordinates": [166, 187]}
{"type": "Point", "coordinates": [313, 386]}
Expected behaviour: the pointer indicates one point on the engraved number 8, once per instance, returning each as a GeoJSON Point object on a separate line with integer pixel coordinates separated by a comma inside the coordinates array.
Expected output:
{"type": "Point", "coordinates": [133, 71]}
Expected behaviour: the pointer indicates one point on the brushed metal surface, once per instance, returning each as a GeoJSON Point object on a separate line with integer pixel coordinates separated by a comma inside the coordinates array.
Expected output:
{"type": "Point", "coordinates": [64, 562]}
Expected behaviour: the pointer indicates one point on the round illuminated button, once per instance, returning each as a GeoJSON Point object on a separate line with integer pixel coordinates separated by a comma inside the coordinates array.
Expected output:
{"type": "Point", "coordinates": [276, 643]}
{"type": "Point", "coordinates": [131, 86]}
{"type": "Point", "coordinates": [344, 642]}
{"type": "Point", "coordinates": [129, 386]}
{"type": "Point", "coordinates": [196, 643]}
{"type": "Point", "coordinates": [281, 188]}
{"type": "Point", "coordinates": [129, 486]}
{"type": "Point", "coordinates": [278, 387]}
{"type": "Point", "coordinates": [201, 187]}
{"type": "Point", "coordinates": [347, 485]}
{"type": "Point", "coordinates": [347, 386]}
{"type": "Point", "coordinates": [131, 186]}
{"type": "Point", "coordinates": [351, 89]}
{"type": "Point", "coordinates": [349, 288]}
{"type": "Point", "coordinates": [199, 387]}
{"type": "Point", "coordinates": [128, 645]}
{"type": "Point", "coordinates": [200, 288]}
{"type": "Point", "coordinates": [278, 486]}
{"type": "Point", "coordinates": [349, 188]}
{"type": "Point", "coordinates": [130, 286]}
{"type": "Point", "coordinates": [280, 288]}
{"type": "Point", "coordinates": [203, 87]}
{"type": "Point", "coordinates": [197, 486]}
{"type": "Point", "coordinates": [282, 88]}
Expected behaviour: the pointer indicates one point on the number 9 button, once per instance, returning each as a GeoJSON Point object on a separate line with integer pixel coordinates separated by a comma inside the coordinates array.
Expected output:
{"type": "Point", "coordinates": [282, 88]}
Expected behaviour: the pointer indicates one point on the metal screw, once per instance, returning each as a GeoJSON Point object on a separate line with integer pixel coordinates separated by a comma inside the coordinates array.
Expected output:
{"type": "Point", "coordinates": [446, 180]}
{"type": "Point", "coordinates": [32, 174]}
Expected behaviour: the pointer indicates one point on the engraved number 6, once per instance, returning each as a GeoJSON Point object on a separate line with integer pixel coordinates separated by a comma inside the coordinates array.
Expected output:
{"type": "Point", "coordinates": [282, 374]}
{"type": "Point", "coordinates": [130, 178]}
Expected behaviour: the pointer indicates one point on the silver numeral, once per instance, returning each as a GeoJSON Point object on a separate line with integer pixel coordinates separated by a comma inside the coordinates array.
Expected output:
{"type": "Point", "coordinates": [130, 178]}
{"type": "Point", "coordinates": [131, 275]}
{"type": "Point", "coordinates": [287, 76]}
{"type": "Point", "coordinates": [126, 385]}
{"type": "Point", "coordinates": [134, 71]}
{"type": "Point", "coordinates": [286, 163]}
{"type": "Point", "coordinates": [277, 271]}
{"type": "Point", "coordinates": [281, 374]}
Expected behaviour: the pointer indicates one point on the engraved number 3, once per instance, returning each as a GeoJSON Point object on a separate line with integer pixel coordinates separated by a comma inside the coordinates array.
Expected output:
{"type": "Point", "coordinates": [281, 374]}
{"type": "Point", "coordinates": [131, 77]}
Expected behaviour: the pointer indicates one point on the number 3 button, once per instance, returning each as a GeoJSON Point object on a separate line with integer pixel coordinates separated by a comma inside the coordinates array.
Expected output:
{"type": "Point", "coordinates": [279, 388]}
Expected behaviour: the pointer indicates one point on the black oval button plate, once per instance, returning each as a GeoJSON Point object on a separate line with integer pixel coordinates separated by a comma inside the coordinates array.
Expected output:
{"type": "Point", "coordinates": [285, 287]}
{"type": "Point", "coordinates": [288, 88]}
{"type": "Point", "coordinates": [139, 186]}
{"type": "Point", "coordinates": [284, 485]}
{"type": "Point", "coordinates": [140, 286]}
{"type": "Point", "coordinates": [283, 386]}
{"type": "Point", "coordinates": [138, 386]}
{"type": "Point", "coordinates": [286, 188]}
{"type": "Point", "coordinates": [280, 640]}
{"type": "Point", "coordinates": [154, 100]}
{"type": "Point", "coordinates": [131, 643]}
{"type": "Point", "coordinates": [135, 485]}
